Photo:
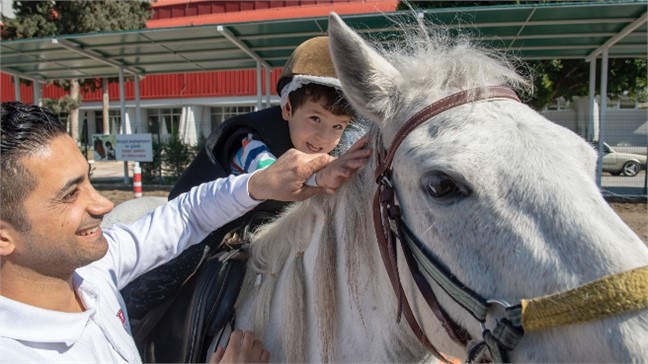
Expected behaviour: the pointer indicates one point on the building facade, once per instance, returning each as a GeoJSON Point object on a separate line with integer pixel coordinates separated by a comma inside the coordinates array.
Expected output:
{"type": "Point", "coordinates": [191, 104]}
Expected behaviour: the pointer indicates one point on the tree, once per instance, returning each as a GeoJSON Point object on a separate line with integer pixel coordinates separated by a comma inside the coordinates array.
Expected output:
{"type": "Point", "coordinates": [53, 17]}
{"type": "Point", "coordinates": [565, 77]}
{"type": "Point", "coordinates": [570, 77]}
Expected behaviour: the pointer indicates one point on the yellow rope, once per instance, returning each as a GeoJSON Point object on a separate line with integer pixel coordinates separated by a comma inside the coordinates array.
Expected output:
{"type": "Point", "coordinates": [615, 294]}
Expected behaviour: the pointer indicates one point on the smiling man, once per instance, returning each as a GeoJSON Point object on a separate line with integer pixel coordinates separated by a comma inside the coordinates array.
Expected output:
{"type": "Point", "coordinates": [61, 273]}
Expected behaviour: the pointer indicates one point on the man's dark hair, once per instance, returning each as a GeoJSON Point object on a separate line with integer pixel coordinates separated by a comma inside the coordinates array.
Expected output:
{"type": "Point", "coordinates": [25, 129]}
{"type": "Point", "coordinates": [335, 100]}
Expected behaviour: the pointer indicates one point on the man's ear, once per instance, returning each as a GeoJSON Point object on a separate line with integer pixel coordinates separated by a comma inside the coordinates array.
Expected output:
{"type": "Point", "coordinates": [8, 237]}
{"type": "Point", "coordinates": [286, 111]}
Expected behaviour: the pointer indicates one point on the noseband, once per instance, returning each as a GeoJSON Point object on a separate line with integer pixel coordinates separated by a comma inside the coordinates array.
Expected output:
{"type": "Point", "coordinates": [529, 315]}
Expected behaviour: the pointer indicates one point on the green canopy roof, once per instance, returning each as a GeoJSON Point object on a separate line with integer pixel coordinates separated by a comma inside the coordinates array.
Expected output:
{"type": "Point", "coordinates": [580, 30]}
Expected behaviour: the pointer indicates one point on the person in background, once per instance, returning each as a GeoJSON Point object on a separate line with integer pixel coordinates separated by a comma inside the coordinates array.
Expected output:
{"type": "Point", "coordinates": [110, 151]}
{"type": "Point", "coordinates": [61, 272]}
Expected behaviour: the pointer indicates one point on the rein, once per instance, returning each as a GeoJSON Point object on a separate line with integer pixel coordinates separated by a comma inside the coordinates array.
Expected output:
{"type": "Point", "coordinates": [560, 309]}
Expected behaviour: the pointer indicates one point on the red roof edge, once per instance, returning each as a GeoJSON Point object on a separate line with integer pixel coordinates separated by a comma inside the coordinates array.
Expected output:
{"type": "Point", "coordinates": [304, 11]}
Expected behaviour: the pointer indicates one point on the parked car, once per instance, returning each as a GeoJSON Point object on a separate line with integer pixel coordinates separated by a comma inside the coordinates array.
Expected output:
{"type": "Point", "coordinates": [617, 163]}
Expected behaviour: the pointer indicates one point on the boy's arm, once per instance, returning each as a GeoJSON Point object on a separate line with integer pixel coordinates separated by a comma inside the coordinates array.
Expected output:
{"type": "Point", "coordinates": [252, 155]}
{"type": "Point", "coordinates": [337, 172]}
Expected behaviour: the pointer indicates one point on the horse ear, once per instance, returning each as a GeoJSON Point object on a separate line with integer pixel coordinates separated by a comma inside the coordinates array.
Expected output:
{"type": "Point", "coordinates": [368, 80]}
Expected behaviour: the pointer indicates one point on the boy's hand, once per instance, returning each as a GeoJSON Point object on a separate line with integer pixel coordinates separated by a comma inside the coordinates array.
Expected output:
{"type": "Point", "coordinates": [337, 172]}
{"type": "Point", "coordinates": [284, 179]}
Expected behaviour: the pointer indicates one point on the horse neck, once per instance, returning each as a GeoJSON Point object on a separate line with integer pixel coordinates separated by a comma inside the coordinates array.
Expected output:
{"type": "Point", "coordinates": [320, 262]}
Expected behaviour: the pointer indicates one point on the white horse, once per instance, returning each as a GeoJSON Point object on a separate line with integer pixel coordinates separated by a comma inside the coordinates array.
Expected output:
{"type": "Point", "coordinates": [503, 197]}
{"type": "Point", "coordinates": [504, 200]}
{"type": "Point", "coordinates": [131, 210]}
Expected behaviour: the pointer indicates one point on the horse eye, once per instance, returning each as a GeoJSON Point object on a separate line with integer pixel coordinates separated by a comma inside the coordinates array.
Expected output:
{"type": "Point", "coordinates": [440, 185]}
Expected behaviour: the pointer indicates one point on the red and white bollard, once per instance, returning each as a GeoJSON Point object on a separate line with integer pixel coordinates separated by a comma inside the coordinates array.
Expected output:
{"type": "Point", "coordinates": [137, 180]}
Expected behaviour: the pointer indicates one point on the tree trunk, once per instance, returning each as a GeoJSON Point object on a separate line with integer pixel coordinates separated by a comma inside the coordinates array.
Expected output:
{"type": "Point", "coordinates": [105, 106]}
{"type": "Point", "coordinates": [74, 113]}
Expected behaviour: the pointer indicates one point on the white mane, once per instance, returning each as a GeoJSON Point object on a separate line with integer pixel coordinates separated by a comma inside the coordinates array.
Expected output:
{"type": "Point", "coordinates": [328, 225]}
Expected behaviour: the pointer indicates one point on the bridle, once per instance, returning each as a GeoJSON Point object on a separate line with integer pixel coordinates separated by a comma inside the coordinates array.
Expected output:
{"type": "Point", "coordinates": [593, 299]}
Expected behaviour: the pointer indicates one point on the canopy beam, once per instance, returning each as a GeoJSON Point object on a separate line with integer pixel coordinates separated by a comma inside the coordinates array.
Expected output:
{"type": "Point", "coordinates": [612, 41]}
{"type": "Point", "coordinates": [71, 46]}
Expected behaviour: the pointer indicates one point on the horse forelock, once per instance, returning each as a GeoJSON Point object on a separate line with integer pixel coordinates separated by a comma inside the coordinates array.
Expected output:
{"type": "Point", "coordinates": [438, 63]}
{"type": "Point", "coordinates": [434, 62]}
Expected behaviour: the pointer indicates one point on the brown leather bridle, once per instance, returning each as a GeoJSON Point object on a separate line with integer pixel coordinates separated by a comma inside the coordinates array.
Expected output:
{"type": "Point", "coordinates": [387, 216]}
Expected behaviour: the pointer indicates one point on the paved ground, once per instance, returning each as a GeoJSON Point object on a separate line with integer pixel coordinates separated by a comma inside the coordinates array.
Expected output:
{"type": "Point", "coordinates": [111, 171]}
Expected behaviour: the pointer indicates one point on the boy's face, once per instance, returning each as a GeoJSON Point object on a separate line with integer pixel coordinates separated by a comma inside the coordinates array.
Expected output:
{"type": "Point", "coordinates": [313, 129]}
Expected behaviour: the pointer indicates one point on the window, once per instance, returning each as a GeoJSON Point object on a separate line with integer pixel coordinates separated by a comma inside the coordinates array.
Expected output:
{"type": "Point", "coordinates": [114, 116]}
{"type": "Point", "coordinates": [164, 121]}
{"type": "Point", "coordinates": [222, 113]}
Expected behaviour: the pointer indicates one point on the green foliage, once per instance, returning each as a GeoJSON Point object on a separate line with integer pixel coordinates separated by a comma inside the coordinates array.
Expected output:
{"type": "Point", "coordinates": [151, 170]}
{"type": "Point", "coordinates": [629, 76]}
{"type": "Point", "coordinates": [176, 156]}
{"type": "Point", "coordinates": [170, 159]}
{"type": "Point", "coordinates": [63, 105]}
{"type": "Point", "coordinates": [570, 77]}
{"type": "Point", "coordinates": [54, 17]}
{"type": "Point", "coordinates": [33, 19]}
{"type": "Point", "coordinates": [49, 18]}
{"type": "Point", "coordinates": [564, 77]}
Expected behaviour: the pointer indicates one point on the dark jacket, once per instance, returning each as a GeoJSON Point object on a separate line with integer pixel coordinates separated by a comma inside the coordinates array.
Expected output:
{"type": "Point", "coordinates": [158, 287]}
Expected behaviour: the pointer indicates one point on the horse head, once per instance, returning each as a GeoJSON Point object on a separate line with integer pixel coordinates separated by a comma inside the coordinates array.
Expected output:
{"type": "Point", "coordinates": [504, 200]}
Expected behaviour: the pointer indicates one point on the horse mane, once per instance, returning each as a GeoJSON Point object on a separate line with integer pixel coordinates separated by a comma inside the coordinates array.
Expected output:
{"type": "Point", "coordinates": [327, 223]}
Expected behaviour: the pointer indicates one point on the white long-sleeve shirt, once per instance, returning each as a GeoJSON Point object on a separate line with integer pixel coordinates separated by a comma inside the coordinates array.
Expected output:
{"type": "Point", "coordinates": [101, 334]}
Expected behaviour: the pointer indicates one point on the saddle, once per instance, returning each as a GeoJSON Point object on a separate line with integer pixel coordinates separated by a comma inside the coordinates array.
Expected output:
{"type": "Point", "coordinates": [180, 328]}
